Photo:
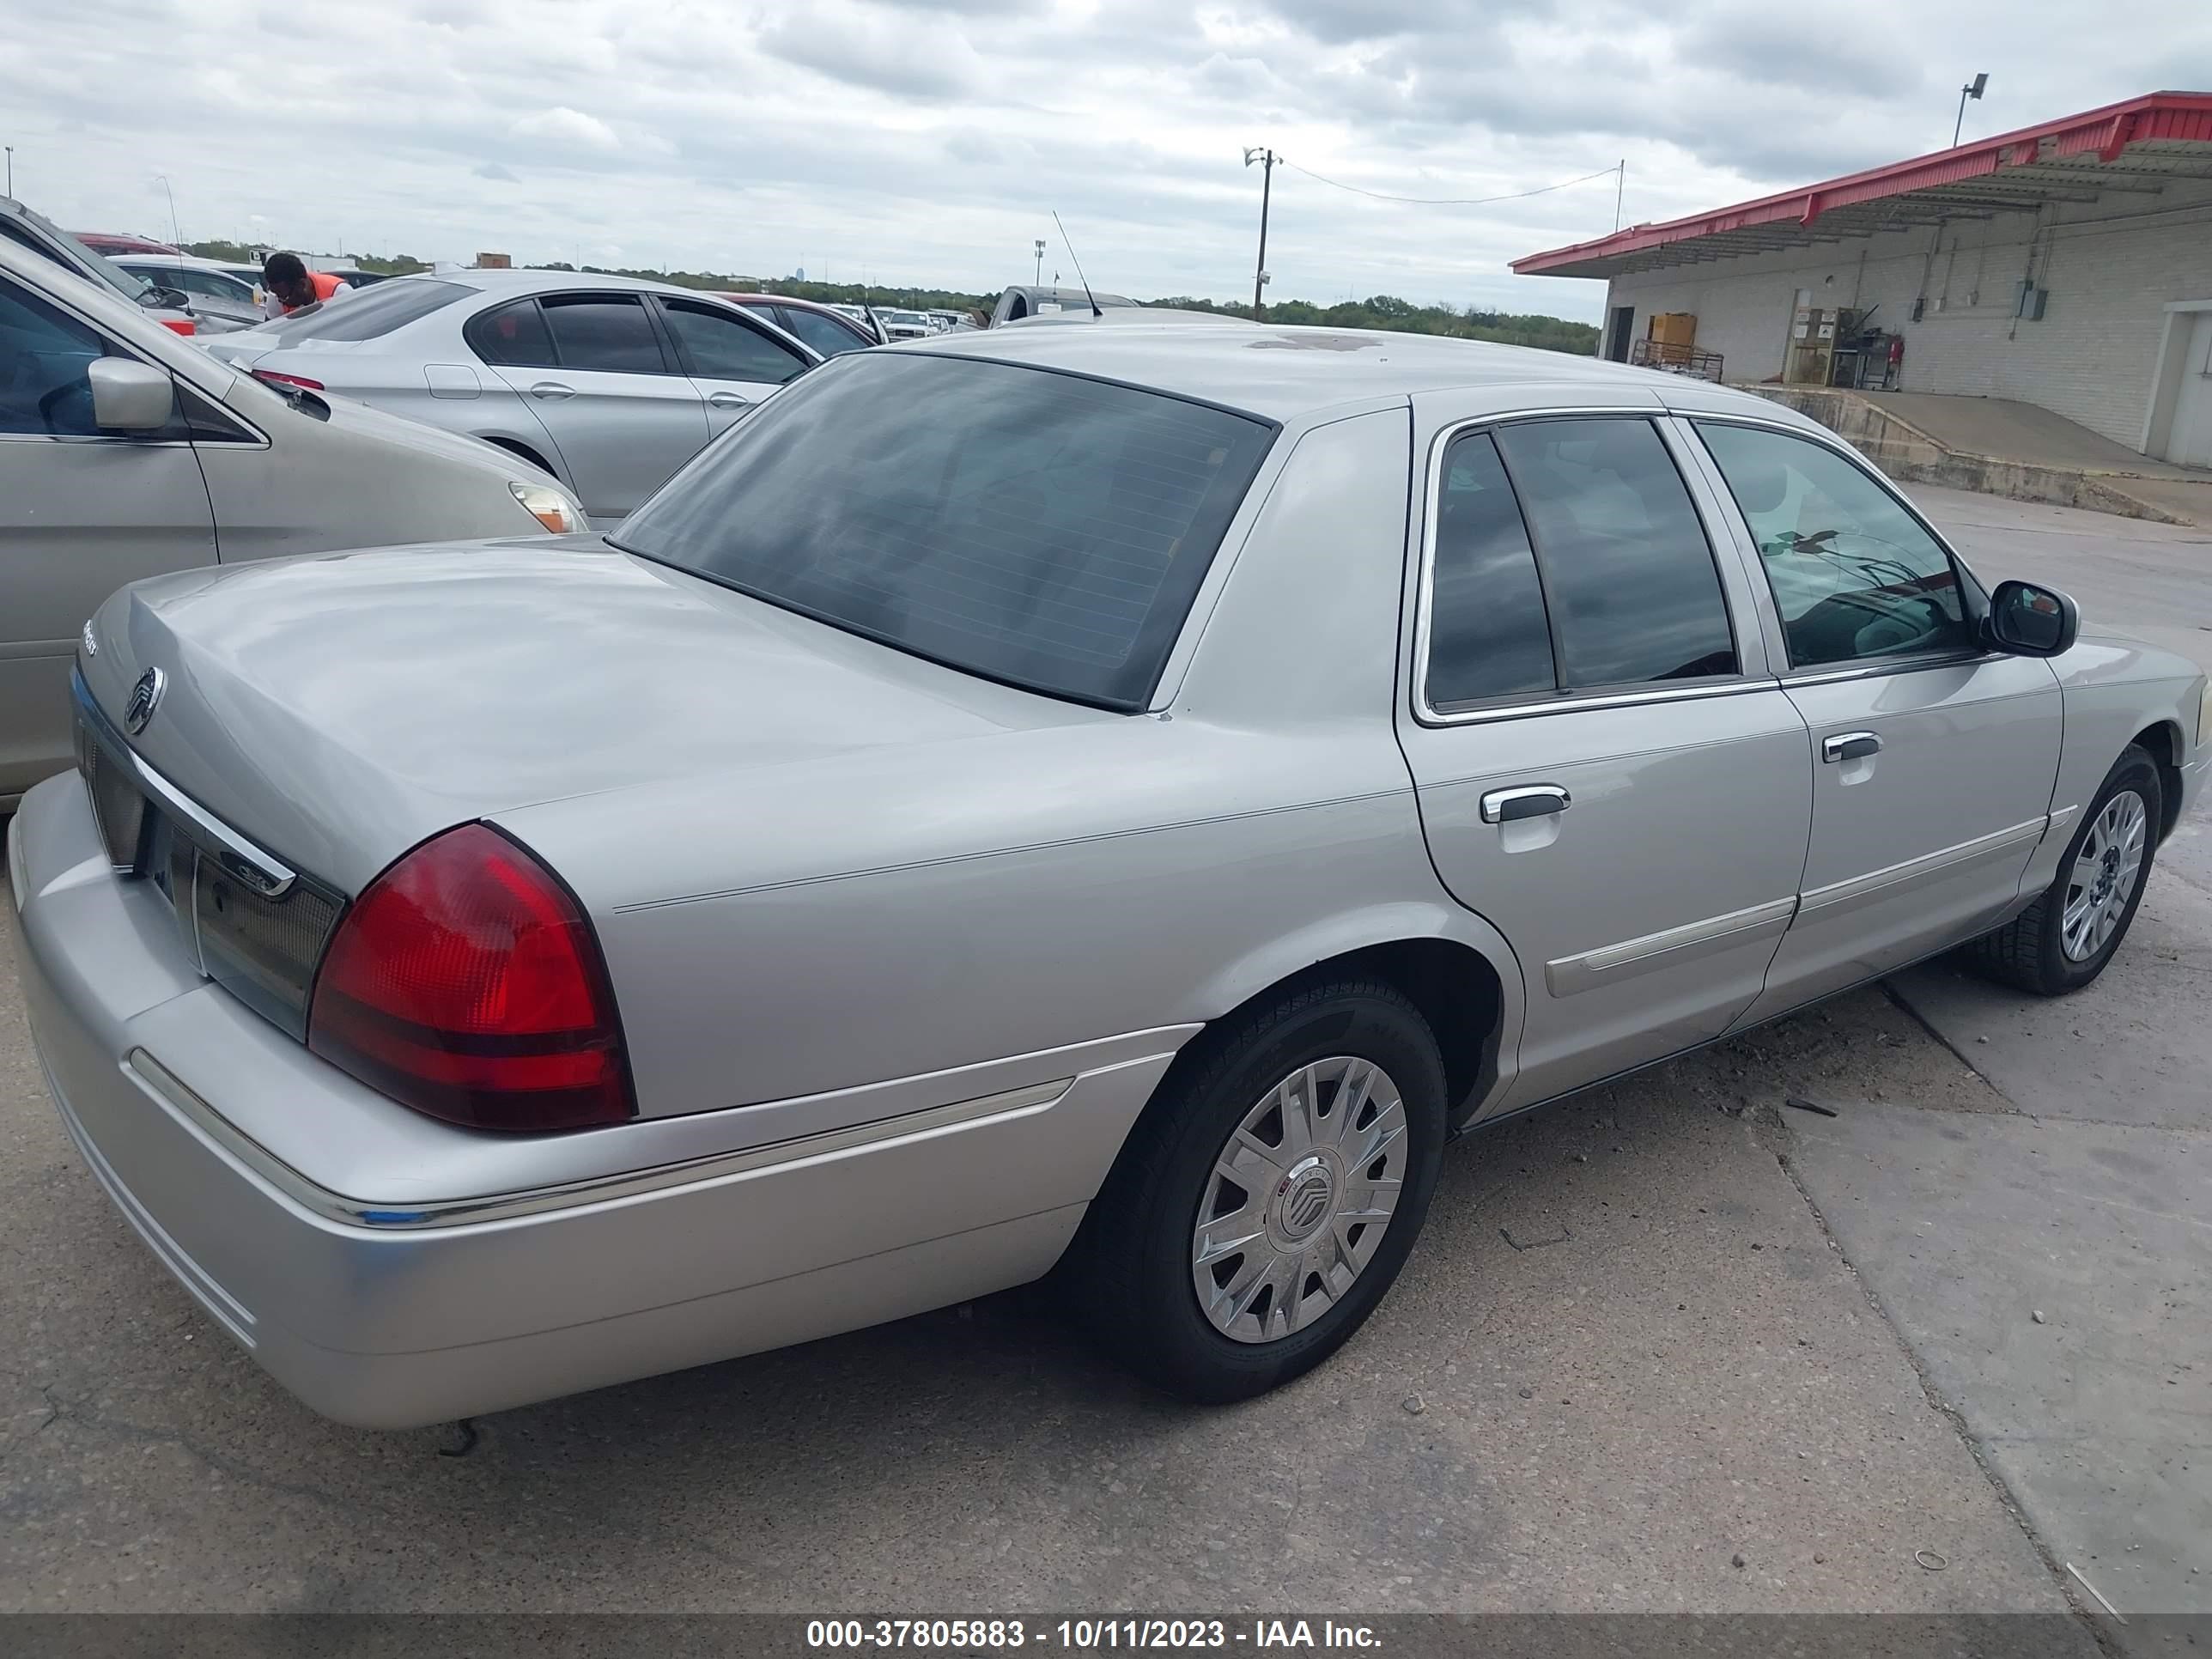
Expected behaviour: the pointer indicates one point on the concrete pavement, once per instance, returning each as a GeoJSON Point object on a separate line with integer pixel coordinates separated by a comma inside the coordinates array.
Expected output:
{"type": "Point", "coordinates": [2049, 1265]}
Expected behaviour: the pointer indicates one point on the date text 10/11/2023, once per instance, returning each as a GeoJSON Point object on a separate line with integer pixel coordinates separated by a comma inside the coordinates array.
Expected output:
{"type": "Point", "coordinates": [1088, 1635]}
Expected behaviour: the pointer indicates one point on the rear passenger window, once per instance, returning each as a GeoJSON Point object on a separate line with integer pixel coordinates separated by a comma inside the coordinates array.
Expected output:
{"type": "Point", "coordinates": [513, 335]}
{"type": "Point", "coordinates": [1629, 578]}
{"type": "Point", "coordinates": [609, 332]}
{"type": "Point", "coordinates": [1487, 633]}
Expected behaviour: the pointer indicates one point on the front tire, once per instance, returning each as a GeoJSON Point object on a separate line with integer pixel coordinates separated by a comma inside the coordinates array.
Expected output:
{"type": "Point", "coordinates": [1270, 1194]}
{"type": "Point", "coordinates": [2064, 940]}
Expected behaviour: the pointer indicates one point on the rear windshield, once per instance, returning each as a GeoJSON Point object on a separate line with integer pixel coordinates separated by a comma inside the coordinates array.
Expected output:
{"type": "Point", "coordinates": [364, 316]}
{"type": "Point", "coordinates": [1026, 525]}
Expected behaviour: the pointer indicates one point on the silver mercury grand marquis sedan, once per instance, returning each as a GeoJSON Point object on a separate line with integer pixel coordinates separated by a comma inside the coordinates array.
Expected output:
{"type": "Point", "coordinates": [1127, 827]}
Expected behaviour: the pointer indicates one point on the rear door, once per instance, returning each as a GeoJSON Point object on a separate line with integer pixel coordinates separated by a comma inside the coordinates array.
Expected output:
{"type": "Point", "coordinates": [1933, 761]}
{"type": "Point", "coordinates": [733, 361]}
{"type": "Point", "coordinates": [82, 512]}
{"type": "Point", "coordinates": [615, 401]}
{"type": "Point", "coordinates": [1607, 770]}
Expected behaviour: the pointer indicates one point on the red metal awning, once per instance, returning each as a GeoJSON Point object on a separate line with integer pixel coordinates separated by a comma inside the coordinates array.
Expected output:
{"type": "Point", "coordinates": [2138, 146]}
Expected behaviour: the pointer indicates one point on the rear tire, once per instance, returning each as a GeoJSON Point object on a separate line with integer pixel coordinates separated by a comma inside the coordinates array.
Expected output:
{"type": "Point", "coordinates": [2064, 940]}
{"type": "Point", "coordinates": [1330, 1105]}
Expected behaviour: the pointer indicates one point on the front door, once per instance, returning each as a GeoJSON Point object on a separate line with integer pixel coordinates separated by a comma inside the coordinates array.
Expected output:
{"type": "Point", "coordinates": [621, 411]}
{"type": "Point", "coordinates": [734, 363]}
{"type": "Point", "coordinates": [1933, 761]}
{"type": "Point", "coordinates": [2190, 440]}
{"type": "Point", "coordinates": [82, 512]}
{"type": "Point", "coordinates": [1619, 332]}
{"type": "Point", "coordinates": [1607, 771]}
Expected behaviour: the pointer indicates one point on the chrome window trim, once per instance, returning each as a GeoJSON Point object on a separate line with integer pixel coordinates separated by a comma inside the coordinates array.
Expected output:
{"type": "Point", "coordinates": [1897, 665]}
{"type": "Point", "coordinates": [1427, 713]}
{"type": "Point", "coordinates": [404, 1215]}
{"type": "Point", "coordinates": [1567, 976]}
{"type": "Point", "coordinates": [1571, 701]}
{"type": "Point", "coordinates": [89, 438]}
{"type": "Point", "coordinates": [1891, 878]}
{"type": "Point", "coordinates": [271, 876]}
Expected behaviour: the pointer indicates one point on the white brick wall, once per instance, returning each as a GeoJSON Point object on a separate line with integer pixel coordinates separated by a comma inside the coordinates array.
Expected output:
{"type": "Point", "coordinates": [2110, 267]}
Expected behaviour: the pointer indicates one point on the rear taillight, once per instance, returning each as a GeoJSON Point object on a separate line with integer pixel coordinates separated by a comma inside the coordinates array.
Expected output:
{"type": "Point", "coordinates": [300, 381]}
{"type": "Point", "coordinates": [184, 326]}
{"type": "Point", "coordinates": [467, 983]}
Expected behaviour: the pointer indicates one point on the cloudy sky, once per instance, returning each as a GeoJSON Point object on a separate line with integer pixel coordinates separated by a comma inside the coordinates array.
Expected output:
{"type": "Point", "coordinates": [929, 143]}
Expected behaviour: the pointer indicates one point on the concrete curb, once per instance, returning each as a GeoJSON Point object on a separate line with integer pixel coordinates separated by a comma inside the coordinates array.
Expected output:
{"type": "Point", "coordinates": [1906, 452]}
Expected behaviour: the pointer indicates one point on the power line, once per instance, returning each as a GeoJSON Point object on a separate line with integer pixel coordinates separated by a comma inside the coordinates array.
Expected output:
{"type": "Point", "coordinates": [1431, 201]}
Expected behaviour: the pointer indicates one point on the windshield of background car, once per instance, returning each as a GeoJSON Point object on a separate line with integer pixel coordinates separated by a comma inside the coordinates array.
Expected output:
{"type": "Point", "coordinates": [369, 316]}
{"type": "Point", "coordinates": [1028, 526]}
{"type": "Point", "coordinates": [93, 265]}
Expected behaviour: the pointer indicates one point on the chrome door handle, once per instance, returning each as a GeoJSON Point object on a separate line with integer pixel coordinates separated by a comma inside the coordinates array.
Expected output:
{"type": "Point", "coordinates": [1849, 745]}
{"type": "Point", "coordinates": [552, 389]}
{"type": "Point", "coordinates": [728, 400]}
{"type": "Point", "coordinates": [1537, 801]}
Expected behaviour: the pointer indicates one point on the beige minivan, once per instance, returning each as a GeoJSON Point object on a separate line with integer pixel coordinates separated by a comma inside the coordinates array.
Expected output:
{"type": "Point", "coordinates": [126, 451]}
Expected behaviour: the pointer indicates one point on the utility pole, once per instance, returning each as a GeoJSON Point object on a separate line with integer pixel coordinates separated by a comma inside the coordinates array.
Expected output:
{"type": "Point", "coordinates": [1039, 269]}
{"type": "Point", "coordinates": [11, 172]}
{"type": "Point", "coordinates": [1619, 191]}
{"type": "Point", "coordinates": [1266, 159]}
{"type": "Point", "coordinates": [1972, 89]}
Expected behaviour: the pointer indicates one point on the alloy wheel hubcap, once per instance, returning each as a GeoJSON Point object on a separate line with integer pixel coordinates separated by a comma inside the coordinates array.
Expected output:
{"type": "Point", "coordinates": [2103, 876]}
{"type": "Point", "coordinates": [1299, 1198]}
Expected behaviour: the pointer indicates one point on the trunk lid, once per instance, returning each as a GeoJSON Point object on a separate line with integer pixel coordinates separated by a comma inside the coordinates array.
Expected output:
{"type": "Point", "coordinates": [338, 708]}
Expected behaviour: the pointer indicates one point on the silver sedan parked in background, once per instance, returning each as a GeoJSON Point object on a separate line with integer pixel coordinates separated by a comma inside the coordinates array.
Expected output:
{"type": "Point", "coordinates": [1186, 776]}
{"type": "Point", "coordinates": [125, 452]}
{"type": "Point", "coordinates": [212, 290]}
{"type": "Point", "coordinates": [608, 383]}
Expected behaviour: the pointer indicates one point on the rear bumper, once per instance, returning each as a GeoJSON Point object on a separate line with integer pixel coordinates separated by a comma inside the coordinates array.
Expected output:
{"type": "Point", "coordinates": [424, 1314]}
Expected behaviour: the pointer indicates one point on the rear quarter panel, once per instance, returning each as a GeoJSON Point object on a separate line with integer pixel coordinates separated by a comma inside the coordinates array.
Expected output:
{"type": "Point", "coordinates": [885, 914]}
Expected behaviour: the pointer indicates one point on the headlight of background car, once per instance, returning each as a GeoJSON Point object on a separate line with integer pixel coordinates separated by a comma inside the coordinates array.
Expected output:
{"type": "Point", "coordinates": [2204, 717]}
{"type": "Point", "coordinates": [549, 506]}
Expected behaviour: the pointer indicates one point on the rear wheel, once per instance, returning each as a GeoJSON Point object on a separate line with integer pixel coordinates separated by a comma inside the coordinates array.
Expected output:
{"type": "Point", "coordinates": [2063, 940]}
{"type": "Point", "coordinates": [1270, 1194]}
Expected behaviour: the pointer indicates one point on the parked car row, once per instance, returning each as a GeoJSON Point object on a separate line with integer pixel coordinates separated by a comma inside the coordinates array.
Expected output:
{"type": "Point", "coordinates": [35, 233]}
{"type": "Point", "coordinates": [1118, 828]}
{"type": "Point", "coordinates": [608, 383]}
{"type": "Point", "coordinates": [127, 452]}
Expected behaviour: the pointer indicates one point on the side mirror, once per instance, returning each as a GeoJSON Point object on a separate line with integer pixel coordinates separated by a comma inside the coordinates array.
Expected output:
{"type": "Point", "coordinates": [128, 396]}
{"type": "Point", "coordinates": [2029, 621]}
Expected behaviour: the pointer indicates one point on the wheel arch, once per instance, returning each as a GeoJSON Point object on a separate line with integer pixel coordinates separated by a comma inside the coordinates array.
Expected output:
{"type": "Point", "coordinates": [1457, 970]}
{"type": "Point", "coordinates": [2163, 741]}
{"type": "Point", "coordinates": [516, 447]}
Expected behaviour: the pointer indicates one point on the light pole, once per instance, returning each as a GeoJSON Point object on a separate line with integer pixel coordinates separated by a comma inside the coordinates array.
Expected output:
{"type": "Point", "coordinates": [1972, 89]}
{"type": "Point", "coordinates": [1040, 253]}
{"type": "Point", "coordinates": [1267, 159]}
{"type": "Point", "coordinates": [11, 171]}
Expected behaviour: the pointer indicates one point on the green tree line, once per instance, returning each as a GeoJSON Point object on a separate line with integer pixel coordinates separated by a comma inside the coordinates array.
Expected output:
{"type": "Point", "coordinates": [1383, 310]}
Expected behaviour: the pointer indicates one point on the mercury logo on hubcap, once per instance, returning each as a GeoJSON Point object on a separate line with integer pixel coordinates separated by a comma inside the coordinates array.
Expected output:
{"type": "Point", "coordinates": [1303, 1198]}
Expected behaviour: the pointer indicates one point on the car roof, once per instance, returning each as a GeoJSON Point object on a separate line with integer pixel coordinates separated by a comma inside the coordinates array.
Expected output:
{"type": "Point", "coordinates": [774, 300]}
{"type": "Point", "coordinates": [540, 281]}
{"type": "Point", "coordinates": [1281, 373]}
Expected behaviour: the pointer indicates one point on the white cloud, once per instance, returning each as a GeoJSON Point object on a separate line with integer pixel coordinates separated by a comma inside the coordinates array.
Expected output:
{"type": "Point", "coordinates": [929, 142]}
{"type": "Point", "coordinates": [563, 126]}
